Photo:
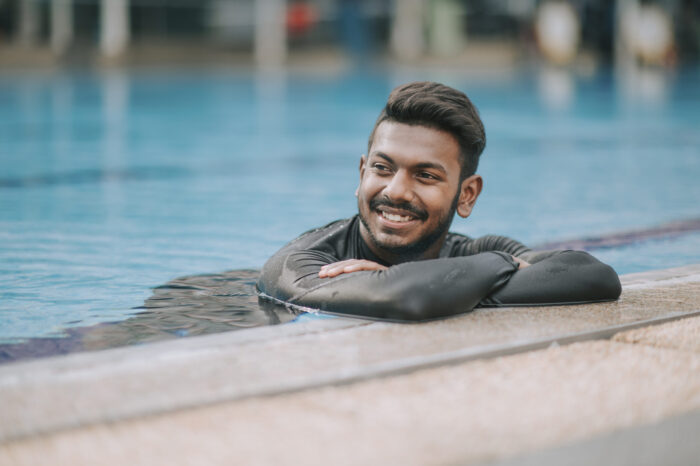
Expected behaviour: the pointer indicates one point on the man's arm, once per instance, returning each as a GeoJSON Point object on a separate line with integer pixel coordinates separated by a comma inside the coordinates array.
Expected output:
{"type": "Point", "coordinates": [554, 277]}
{"type": "Point", "coordinates": [577, 278]}
{"type": "Point", "coordinates": [558, 277]}
{"type": "Point", "coordinates": [412, 291]}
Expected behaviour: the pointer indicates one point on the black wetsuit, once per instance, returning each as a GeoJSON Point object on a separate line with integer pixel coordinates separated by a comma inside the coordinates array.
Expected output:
{"type": "Point", "coordinates": [468, 272]}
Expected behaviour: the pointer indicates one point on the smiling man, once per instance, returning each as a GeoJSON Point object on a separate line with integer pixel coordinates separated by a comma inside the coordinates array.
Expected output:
{"type": "Point", "coordinates": [397, 260]}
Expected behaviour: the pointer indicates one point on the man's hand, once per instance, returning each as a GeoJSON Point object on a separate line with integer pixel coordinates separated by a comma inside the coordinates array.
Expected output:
{"type": "Point", "coordinates": [521, 263]}
{"type": "Point", "coordinates": [356, 265]}
{"type": "Point", "coordinates": [348, 266]}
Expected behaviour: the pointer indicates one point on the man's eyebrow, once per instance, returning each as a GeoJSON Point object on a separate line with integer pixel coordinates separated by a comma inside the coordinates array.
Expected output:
{"type": "Point", "coordinates": [383, 155]}
{"type": "Point", "coordinates": [434, 166]}
{"type": "Point", "coordinates": [419, 166]}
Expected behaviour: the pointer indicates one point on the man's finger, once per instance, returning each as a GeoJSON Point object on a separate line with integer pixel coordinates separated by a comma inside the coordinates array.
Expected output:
{"type": "Point", "coordinates": [348, 266]}
{"type": "Point", "coordinates": [331, 270]}
{"type": "Point", "coordinates": [355, 267]}
{"type": "Point", "coordinates": [521, 263]}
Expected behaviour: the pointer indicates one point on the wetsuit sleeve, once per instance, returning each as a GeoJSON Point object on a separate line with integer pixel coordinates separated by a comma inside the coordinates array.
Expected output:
{"type": "Point", "coordinates": [413, 291]}
{"type": "Point", "coordinates": [554, 277]}
{"type": "Point", "coordinates": [557, 277]}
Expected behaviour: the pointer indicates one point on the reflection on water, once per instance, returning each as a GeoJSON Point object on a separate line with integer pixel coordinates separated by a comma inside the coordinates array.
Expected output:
{"type": "Point", "coordinates": [556, 88]}
{"type": "Point", "coordinates": [186, 306]}
{"type": "Point", "coordinates": [646, 86]}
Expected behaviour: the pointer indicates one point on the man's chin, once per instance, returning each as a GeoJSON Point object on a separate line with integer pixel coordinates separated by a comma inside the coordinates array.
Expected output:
{"type": "Point", "coordinates": [404, 244]}
{"type": "Point", "coordinates": [400, 246]}
{"type": "Point", "coordinates": [394, 244]}
{"type": "Point", "coordinates": [397, 237]}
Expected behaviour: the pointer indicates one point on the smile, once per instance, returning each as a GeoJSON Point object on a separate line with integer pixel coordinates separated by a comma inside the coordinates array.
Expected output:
{"type": "Point", "coordinates": [396, 218]}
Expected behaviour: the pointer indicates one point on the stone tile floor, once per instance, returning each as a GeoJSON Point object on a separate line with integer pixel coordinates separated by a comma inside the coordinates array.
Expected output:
{"type": "Point", "coordinates": [463, 413]}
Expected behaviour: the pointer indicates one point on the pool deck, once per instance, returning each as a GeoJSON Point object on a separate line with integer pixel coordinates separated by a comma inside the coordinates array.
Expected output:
{"type": "Point", "coordinates": [614, 383]}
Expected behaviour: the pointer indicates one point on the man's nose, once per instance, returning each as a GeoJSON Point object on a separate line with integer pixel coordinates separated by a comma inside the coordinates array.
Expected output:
{"type": "Point", "coordinates": [400, 188]}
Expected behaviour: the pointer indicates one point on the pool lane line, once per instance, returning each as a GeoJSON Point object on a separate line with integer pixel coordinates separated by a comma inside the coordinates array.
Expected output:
{"type": "Point", "coordinates": [96, 175]}
{"type": "Point", "coordinates": [627, 237]}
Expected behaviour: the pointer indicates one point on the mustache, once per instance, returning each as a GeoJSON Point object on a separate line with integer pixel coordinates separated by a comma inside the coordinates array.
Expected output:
{"type": "Point", "coordinates": [407, 206]}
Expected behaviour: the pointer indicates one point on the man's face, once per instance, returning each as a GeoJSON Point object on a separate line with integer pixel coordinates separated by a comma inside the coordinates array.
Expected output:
{"type": "Point", "coordinates": [409, 190]}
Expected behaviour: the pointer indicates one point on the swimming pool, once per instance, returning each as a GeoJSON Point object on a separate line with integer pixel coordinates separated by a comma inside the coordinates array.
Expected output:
{"type": "Point", "coordinates": [113, 183]}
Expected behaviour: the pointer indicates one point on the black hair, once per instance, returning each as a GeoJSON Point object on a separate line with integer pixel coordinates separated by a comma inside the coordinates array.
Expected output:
{"type": "Point", "coordinates": [441, 107]}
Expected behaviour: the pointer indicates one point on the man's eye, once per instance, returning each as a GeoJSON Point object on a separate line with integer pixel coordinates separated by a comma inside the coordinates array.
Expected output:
{"type": "Point", "coordinates": [381, 167]}
{"type": "Point", "coordinates": [427, 176]}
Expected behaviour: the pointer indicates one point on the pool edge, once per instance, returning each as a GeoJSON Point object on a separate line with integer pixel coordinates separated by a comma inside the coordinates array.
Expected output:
{"type": "Point", "coordinates": [145, 378]}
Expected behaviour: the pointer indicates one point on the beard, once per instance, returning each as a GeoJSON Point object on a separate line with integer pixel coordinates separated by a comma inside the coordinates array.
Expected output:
{"type": "Point", "coordinates": [411, 251]}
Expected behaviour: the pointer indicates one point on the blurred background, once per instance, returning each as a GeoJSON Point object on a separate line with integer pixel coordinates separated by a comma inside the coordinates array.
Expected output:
{"type": "Point", "coordinates": [275, 32]}
{"type": "Point", "coordinates": [146, 140]}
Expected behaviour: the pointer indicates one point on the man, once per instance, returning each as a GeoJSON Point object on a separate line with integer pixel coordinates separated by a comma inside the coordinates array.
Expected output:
{"type": "Point", "coordinates": [396, 259]}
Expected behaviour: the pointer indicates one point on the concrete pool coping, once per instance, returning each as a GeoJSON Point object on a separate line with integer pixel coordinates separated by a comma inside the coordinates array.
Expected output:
{"type": "Point", "coordinates": [53, 394]}
{"type": "Point", "coordinates": [631, 400]}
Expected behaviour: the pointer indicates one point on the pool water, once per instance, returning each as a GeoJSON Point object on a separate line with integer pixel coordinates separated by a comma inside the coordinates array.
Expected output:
{"type": "Point", "coordinates": [114, 183]}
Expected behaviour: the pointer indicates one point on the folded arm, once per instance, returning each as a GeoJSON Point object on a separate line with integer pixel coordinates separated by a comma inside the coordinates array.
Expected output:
{"type": "Point", "coordinates": [412, 291]}
{"type": "Point", "coordinates": [558, 277]}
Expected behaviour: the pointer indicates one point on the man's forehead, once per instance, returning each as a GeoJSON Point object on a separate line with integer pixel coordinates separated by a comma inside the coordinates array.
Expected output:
{"type": "Point", "coordinates": [418, 143]}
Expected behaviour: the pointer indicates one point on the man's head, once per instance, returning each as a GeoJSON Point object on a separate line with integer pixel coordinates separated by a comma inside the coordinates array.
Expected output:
{"type": "Point", "coordinates": [419, 171]}
{"type": "Point", "coordinates": [441, 107]}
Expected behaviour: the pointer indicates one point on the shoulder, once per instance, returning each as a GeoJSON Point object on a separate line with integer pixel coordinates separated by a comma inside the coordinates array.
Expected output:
{"type": "Point", "coordinates": [313, 235]}
{"type": "Point", "coordinates": [325, 239]}
{"type": "Point", "coordinates": [301, 257]}
{"type": "Point", "coordinates": [457, 244]}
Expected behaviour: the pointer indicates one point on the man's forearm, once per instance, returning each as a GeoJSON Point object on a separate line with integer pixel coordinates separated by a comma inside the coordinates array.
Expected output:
{"type": "Point", "coordinates": [413, 291]}
{"type": "Point", "coordinates": [567, 277]}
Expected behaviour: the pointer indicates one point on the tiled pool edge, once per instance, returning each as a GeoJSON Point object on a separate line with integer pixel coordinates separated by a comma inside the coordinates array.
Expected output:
{"type": "Point", "coordinates": [671, 441]}
{"type": "Point", "coordinates": [137, 381]}
{"type": "Point", "coordinates": [87, 368]}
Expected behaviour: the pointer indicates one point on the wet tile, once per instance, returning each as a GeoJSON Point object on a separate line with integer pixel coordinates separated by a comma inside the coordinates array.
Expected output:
{"type": "Point", "coordinates": [462, 414]}
{"type": "Point", "coordinates": [681, 334]}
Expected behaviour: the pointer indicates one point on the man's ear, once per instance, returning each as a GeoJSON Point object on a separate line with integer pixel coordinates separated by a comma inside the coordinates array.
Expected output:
{"type": "Point", "coordinates": [363, 160]}
{"type": "Point", "coordinates": [469, 191]}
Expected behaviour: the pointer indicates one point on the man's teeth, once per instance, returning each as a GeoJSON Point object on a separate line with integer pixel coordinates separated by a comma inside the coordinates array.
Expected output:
{"type": "Point", "coordinates": [395, 218]}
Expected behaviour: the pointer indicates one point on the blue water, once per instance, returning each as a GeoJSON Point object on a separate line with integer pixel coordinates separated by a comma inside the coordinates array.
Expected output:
{"type": "Point", "coordinates": [113, 183]}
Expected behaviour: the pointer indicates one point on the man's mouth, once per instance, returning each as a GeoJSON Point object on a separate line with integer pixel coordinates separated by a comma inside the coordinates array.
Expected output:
{"type": "Point", "coordinates": [395, 217]}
